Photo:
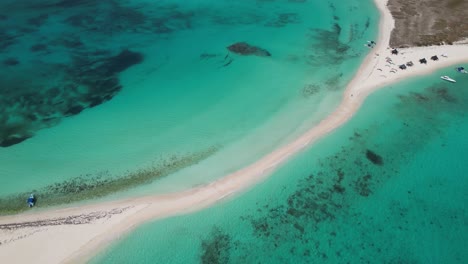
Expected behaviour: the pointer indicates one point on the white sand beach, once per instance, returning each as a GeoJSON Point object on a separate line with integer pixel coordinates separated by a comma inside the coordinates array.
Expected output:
{"type": "Point", "coordinates": [75, 234]}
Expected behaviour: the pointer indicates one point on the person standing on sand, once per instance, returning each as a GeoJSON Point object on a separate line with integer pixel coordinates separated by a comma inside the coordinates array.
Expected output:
{"type": "Point", "coordinates": [31, 200]}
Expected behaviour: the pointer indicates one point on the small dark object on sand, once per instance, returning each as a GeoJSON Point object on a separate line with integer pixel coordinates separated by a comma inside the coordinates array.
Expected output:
{"type": "Point", "coordinates": [434, 58]}
{"type": "Point", "coordinates": [423, 61]}
{"type": "Point", "coordinates": [244, 48]}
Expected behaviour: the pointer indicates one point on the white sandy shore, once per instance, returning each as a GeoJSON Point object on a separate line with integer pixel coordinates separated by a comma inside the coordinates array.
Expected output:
{"type": "Point", "coordinates": [105, 222]}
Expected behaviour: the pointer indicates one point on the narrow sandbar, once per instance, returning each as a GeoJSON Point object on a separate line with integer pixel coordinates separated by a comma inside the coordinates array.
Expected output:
{"type": "Point", "coordinates": [77, 233]}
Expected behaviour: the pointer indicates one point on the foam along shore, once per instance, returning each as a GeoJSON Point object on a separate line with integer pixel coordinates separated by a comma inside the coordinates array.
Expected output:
{"type": "Point", "coordinates": [77, 233]}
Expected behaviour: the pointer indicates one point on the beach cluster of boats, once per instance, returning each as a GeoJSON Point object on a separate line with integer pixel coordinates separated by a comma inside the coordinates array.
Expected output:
{"type": "Point", "coordinates": [458, 69]}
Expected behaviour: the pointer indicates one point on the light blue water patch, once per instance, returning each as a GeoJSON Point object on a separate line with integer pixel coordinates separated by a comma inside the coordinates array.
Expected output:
{"type": "Point", "coordinates": [388, 187]}
{"type": "Point", "coordinates": [116, 87]}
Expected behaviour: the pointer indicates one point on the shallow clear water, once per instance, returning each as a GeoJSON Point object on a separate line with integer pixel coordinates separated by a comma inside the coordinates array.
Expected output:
{"type": "Point", "coordinates": [118, 87]}
{"type": "Point", "coordinates": [387, 187]}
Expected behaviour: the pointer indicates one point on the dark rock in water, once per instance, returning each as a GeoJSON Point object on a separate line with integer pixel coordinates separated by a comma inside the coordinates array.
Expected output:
{"type": "Point", "coordinates": [374, 158]}
{"type": "Point", "coordinates": [121, 62]}
{"type": "Point", "coordinates": [13, 140]}
{"type": "Point", "coordinates": [244, 48]}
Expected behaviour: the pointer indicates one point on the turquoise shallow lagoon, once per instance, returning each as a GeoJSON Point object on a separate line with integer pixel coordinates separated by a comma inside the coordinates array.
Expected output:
{"type": "Point", "coordinates": [388, 187]}
{"type": "Point", "coordinates": [108, 96]}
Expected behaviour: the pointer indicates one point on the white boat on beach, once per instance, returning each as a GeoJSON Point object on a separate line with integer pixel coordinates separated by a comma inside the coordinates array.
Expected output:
{"type": "Point", "coordinates": [448, 79]}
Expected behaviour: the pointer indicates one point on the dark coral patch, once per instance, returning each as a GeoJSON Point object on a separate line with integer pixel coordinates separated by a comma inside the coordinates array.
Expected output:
{"type": "Point", "coordinates": [310, 90]}
{"type": "Point", "coordinates": [327, 47]}
{"type": "Point", "coordinates": [284, 19]}
{"type": "Point", "coordinates": [94, 101]}
{"type": "Point", "coordinates": [87, 82]}
{"type": "Point", "coordinates": [10, 62]}
{"type": "Point", "coordinates": [38, 47]}
{"type": "Point", "coordinates": [102, 183]}
{"type": "Point", "coordinates": [444, 94]}
{"type": "Point", "coordinates": [38, 20]}
{"type": "Point", "coordinates": [216, 248]}
{"type": "Point", "coordinates": [374, 157]}
{"type": "Point", "coordinates": [6, 40]}
{"type": "Point", "coordinates": [12, 140]}
{"type": "Point", "coordinates": [73, 3]}
{"type": "Point", "coordinates": [243, 48]}
{"type": "Point", "coordinates": [74, 110]}
{"type": "Point", "coordinates": [121, 62]}
{"type": "Point", "coordinates": [362, 185]}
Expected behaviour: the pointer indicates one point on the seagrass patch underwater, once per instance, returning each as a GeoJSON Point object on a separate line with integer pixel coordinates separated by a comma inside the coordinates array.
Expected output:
{"type": "Point", "coordinates": [87, 187]}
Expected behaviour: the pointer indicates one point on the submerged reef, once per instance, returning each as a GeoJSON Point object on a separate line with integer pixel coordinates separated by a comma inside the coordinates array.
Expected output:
{"type": "Point", "coordinates": [215, 249]}
{"type": "Point", "coordinates": [7, 39]}
{"type": "Point", "coordinates": [27, 106]}
{"type": "Point", "coordinates": [243, 48]}
{"type": "Point", "coordinates": [315, 219]}
{"type": "Point", "coordinates": [328, 48]}
{"type": "Point", "coordinates": [11, 62]}
{"type": "Point", "coordinates": [90, 186]}
{"type": "Point", "coordinates": [334, 45]}
{"type": "Point", "coordinates": [374, 157]}
{"type": "Point", "coordinates": [78, 66]}
{"type": "Point", "coordinates": [283, 19]}
{"type": "Point", "coordinates": [310, 90]}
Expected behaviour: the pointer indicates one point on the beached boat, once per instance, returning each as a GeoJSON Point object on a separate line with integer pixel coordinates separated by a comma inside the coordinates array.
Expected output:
{"type": "Point", "coordinates": [448, 79]}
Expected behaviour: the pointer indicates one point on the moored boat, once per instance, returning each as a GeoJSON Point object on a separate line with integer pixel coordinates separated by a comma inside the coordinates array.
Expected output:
{"type": "Point", "coordinates": [448, 79]}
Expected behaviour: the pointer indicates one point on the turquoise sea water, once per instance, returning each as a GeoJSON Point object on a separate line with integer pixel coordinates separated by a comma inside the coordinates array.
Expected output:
{"type": "Point", "coordinates": [99, 97]}
{"type": "Point", "coordinates": [388, 187]}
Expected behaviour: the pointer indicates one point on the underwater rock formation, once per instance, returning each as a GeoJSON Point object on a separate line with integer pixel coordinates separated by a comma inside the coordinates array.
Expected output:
{"type": "Point", "coordinates": [243, 48]}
